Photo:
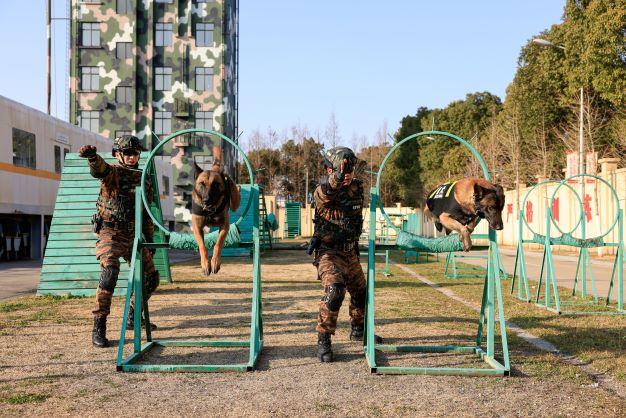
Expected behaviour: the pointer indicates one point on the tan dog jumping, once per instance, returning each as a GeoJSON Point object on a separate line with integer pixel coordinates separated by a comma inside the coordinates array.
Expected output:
{"type": "Point", "coordinates": [457, 206]}
{"type": "Point", "coordinates": [214, 193]}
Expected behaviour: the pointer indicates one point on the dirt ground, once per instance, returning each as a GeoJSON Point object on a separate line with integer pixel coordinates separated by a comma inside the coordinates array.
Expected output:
{"type": "Point", "coordinates": [48, 366]}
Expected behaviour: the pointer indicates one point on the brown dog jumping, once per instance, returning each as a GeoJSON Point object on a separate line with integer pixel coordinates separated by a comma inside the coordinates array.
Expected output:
{"type": "Point", "coordinates": [214, 193]}
{"type": "Point", "coordinates": [457, 206]}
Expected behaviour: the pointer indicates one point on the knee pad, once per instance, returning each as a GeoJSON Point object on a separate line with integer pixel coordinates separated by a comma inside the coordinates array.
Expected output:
{"type": "Point", "coordinates": [152, 281]}
{"type": "Point", "coordinates": [108, 278]}
{"type": "Point", "coordinates": [334, 296]}
{"type": "Point", "coordinates": [358, 298]}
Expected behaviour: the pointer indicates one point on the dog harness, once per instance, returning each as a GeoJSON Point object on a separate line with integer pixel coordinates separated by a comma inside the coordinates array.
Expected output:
{"type": "Point", "coordinates": [211, 211]}
{"type": "Point", "coordinates": [441, 200]}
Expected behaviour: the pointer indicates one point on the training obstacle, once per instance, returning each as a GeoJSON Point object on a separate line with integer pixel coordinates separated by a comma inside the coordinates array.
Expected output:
{"type": "Point", "coordinates": [140, 349]}
{"type": "Point", "coordinates": [455, 271]}
{"type": "Point", "coordinates": [491, 300]}
{"type": "Point", "coordinates": [550, 299]}
{"type": "Point", "coordinates": [69, 264]}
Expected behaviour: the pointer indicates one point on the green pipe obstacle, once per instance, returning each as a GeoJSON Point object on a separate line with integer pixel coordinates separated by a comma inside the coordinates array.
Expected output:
{"type": "Point", "coordinates": [554, 235]}
{"type": "Point", "coordinates": [455, 271]}
{"type": "Point", "coordinates": [491, 300]}
{"type": "Point", "coordinates": [186, 241]}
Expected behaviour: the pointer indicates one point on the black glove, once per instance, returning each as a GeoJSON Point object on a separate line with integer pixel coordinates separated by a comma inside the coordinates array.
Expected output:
{"type": "Point", "coordinates": [87, 151]}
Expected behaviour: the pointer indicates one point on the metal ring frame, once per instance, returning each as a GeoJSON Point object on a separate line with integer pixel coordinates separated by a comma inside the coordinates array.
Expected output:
{"type": "Point", "coordinates": [185, 132]}
{"type": "Point", "coordinates": [415, 136]}
{"type": "Point", "coordinates": [582, 215]}
{"type": "Point", "coordinates": [580, 218]}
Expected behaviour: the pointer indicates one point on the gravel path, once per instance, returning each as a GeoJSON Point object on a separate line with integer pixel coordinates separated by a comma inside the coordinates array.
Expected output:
{"type": "Point", "coordinates": [47, 357]}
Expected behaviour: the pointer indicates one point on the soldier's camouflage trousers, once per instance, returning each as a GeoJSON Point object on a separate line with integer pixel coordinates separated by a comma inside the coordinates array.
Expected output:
{"type": "Point", "coordinates": [113, 244]}
{"type": "Point", "coordinates": [340, 271]}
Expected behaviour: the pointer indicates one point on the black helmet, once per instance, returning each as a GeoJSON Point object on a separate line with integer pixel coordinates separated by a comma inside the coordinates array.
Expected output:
{"type": "Point", "coordinates": [334, 156]}
{"type": "Point", "coordinates": [126, 142]}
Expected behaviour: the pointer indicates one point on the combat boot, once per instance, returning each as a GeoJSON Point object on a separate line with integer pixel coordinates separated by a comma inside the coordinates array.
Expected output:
{"type": "Point", "coordinates": [131, 320]}
{"type": "Point", "coordinates": [98, 334]}
{"type": "Point", "coordinates": [357, 334]}
{"type": "Point", "coordinates": [324, 348]}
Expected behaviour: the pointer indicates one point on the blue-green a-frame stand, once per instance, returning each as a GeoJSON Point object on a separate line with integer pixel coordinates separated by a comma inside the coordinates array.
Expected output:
{"type": "Point", "coordinates": [136, 290]}
{"type": "Point", "coordinates": [492, 309]}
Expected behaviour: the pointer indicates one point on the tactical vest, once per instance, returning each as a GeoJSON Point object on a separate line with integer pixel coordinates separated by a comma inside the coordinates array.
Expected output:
{"type": "Point", "coordinates": [116, 202]}
{"type": "Point", "coordinates": [349, 226]}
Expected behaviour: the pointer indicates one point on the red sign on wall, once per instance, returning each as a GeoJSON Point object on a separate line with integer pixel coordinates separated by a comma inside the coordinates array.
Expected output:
{"type": "Point", "coordinates": [529, 211]}
{"type": "Point", "coordinates": [555, 209]}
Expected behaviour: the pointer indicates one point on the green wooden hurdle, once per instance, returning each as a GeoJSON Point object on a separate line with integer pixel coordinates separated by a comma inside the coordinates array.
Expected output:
{"type": "Point", "coordinates": [584, 276]}
{"type": "Point", "coordinates": [136, 290]}
{"type": "Point", "coordinates": [491, 300]}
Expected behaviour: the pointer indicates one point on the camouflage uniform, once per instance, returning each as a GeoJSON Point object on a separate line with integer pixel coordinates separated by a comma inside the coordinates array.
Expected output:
{"type": "Point", "coordinates": [116, 207]}
{"type": "Point", "coordinates": [338, 224]}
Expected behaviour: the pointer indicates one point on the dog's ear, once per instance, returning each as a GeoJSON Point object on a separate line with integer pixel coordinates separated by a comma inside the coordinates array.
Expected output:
{"type": "Point", "coordinates": [500, 193]}
{"type": "Point", "coordinates": [197, 170]}
{"type": "Point", "coordinates": [478, 192]}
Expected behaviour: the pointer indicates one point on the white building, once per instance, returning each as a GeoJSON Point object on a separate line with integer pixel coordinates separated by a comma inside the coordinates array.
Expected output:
{"type": "Point", "coordinates": [32, 149]}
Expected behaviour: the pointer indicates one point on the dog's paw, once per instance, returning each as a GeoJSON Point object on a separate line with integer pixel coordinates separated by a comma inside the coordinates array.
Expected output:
{"type": "Point", "coordinates": [206, 267]}
{"type": "Point", "coordinates": [467, 245]}
{"type": "Point", "coordinates": [216, 264]}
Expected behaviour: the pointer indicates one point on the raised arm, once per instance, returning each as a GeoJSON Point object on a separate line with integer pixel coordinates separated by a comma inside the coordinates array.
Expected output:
{"type": "Point", "coordinates": [97, 166]}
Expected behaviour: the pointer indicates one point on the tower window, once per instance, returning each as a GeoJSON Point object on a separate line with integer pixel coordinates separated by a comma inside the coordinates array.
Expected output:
{"type": "Point", "coordinates": [90, 34]}
{"type": "Point", "coordinates": [204, 34]}
{"type": "Point", "coordinates": [124, 6]}
{"type": "Point", "coordinates": [123, 50]}
{"type": "Point", "coordinates": [163, 78]}
{"type": "Point", "coordinates": [204, 78]}
{"type": "Point", "coordinates": [90, 78]}
{"type": "Point", "coordinates": [162, 123]}
{"type": "Point", "coordinates": [204, 120]}
{"type": "Point", "coordinates": [163, 34]}
{"type": "Point", "coordinates": [124, 94]}
{"type": "Point", "coordinates": [90, 120]}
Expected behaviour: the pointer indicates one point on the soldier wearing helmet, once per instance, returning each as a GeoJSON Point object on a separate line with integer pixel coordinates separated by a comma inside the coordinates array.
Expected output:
{"type": "Point", "coordinates": [338, 224]}
{"type": "Point", "coordinates": [114, 224]}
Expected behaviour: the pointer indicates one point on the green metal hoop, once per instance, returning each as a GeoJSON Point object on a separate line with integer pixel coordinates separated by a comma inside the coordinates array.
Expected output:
{"type": "Point", "coordinates": [523, 210]}
{"type": "Point", "coordinates": [414, 136]}
{"type": "Point", "coordinates": [582, 215]}
{"type": "Point", "coordinates": [167, 139]}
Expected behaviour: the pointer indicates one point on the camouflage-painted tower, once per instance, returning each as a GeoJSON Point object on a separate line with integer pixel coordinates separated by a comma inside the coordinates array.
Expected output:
{"type": "Point", "coordinates": [142, 66]}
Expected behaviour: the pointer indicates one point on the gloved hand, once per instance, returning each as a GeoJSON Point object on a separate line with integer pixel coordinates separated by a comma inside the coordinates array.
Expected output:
{"type": "Point", "coordinates": [87, 151]}
{"type": "Point", "coordinates": [340, 174]}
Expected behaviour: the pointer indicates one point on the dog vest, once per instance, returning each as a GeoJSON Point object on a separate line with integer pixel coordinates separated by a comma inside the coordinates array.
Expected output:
{"type": "Point", "coordinates": [441, 200]}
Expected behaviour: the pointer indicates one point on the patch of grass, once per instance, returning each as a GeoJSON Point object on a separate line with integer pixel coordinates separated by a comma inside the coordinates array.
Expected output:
{"type": "Point", "coordinates": [56, 356]}
{"type": "Point", "coordinates": [23, 398]}
{"type": "Point", "coordinates": [35, 302]}
{"type": "Point", "coordinates": [599, 340]}
{"type": "Point", "coordinates": [325, 407]}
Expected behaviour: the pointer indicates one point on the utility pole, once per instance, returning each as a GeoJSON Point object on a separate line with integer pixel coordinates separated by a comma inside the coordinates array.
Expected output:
{"type": "Point", "coordinates": [581, 135]}
{"type": "Point", "coordinates": [49, 35]}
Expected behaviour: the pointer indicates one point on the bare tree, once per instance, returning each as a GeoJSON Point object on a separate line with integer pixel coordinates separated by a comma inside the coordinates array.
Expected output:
{"type": "Point", "coordinates": [511, 146]}
{"type": "Point", "coordinates": [595, 118]}
{"type": "Point", "coordinates": [331, 134]}
{"type": "Point", "coordinates": [541, 150]}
